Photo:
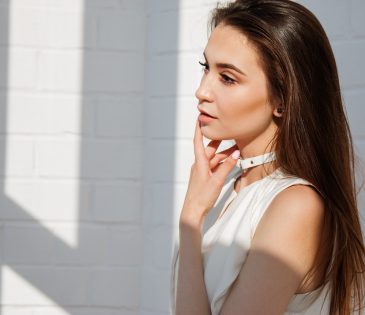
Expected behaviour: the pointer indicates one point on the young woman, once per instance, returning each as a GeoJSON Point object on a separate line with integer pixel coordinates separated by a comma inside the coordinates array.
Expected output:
{"type": "Point", "coordinates": [269, 226]}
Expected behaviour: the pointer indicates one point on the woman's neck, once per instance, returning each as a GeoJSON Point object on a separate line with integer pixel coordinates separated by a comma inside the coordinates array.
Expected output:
{"type": "Point", "coordinates": [250, 175]}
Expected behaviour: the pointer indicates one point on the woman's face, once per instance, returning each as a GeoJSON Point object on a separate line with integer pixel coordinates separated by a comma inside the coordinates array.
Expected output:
{"type": "Point", "coordinates": [233, 89]}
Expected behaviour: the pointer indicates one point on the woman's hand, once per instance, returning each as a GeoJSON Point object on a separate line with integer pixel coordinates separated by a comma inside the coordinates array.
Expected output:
{"type": "Point", "coordinates": [207, 177]}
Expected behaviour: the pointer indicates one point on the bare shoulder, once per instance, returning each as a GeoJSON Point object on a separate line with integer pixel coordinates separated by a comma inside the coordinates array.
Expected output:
{"type": "Point", "coordinates": [292, 226]}
{"type": "Point", "coordinates": [301, 201]}
{"type": "Point", "coordinates": [282, 253]}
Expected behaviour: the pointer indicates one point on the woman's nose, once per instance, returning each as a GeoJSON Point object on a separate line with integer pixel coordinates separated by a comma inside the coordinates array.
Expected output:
{"type": "Point", "coordinates": [204, 92]}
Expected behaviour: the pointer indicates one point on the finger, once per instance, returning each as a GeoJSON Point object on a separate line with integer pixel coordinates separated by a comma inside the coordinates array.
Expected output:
{"type": "Point", "coordinates": [199, 150]}
{"type": "Point", "coordinates": [226, 167]}
{"type": "Point", "coordinates": [212, 148]}
{"type": "Point", "coordinates": [220, 156]}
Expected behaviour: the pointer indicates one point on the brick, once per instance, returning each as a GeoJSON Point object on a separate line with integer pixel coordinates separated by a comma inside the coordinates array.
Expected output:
{"type": "Point", "coordinates": [119, 117]}
{"type": "Point", "coordinates": [166, 69]}
{"type": "Point", "coordinates": [29, 113]}
{"type": "Point", "coordinates": [355, 110]}
{"type": "Point", "coordinates": [158, 247]}
{"type": "Point", "coordinates": [357, 17]}
{"type": "Point", "coordinates": [11, 310]}
{"type": "Point", "coordinates": [114, 30]}
{"type": "Point", "coordinates": [117, 72]}
{"type": "Point", "coordinates": [65, 4]}
{"type": "Point", "coordinates": [58, 158]}
{"type": "Point", "coordinates": [24, 113]}
{"type": "Point", "coordinates": [116, 287]}
{"type": "Point", "coordinates": [44, 26]}
{"type": "Point", "coordinates": [1, 244]}
{"type": "Point", "coordinates": [194, 31]}
{"type": "Point", "coordinates": [172, 5]}
{"type": "Point", "coordinates": [156, 300]}
{"type": "Point", "coordinates": [82, 311]}
{"type": "Point", "coordinates": [61, 71]}
{"type": "Point", "coordinates": [68, 114]}
{"type": "Point", "coordinates": [146, 312]}
{"type": "Point", "coordinates": [18, 157]}
{"type": "Point", "coordinates": [4, 29]}
{"type": "Point", "coordinates": [133, 5]}
{"type": "Point", "coordinates": [128, 241]}
{"type": "Point", "coordinates": [161, 109]}
{"type": "Point", "coordinates": [334, 16]}
{"type": "Point", "coordinates": [25, 244]}
{"type": "Point", "coordinates": [20, 68]}
{"type": "Point", "coordinates": [91, 247]}
{"type": "Point", "coordinates": [161, 5]}
{"type": "Point", "coordinates": [165, 203]}
{"type": "Point", "coordinates": [79, 31]}
{"type": "Point", "coordinates": [62, 201]}
{"type": "Point", "coordinates": [16, 197]}
{"type": "Point", "coordinates": [176, 75]}
{"type": "Point", "coordinates": [117, 202]}
{"type": "Point", "coordinates": [166, 23]}
{"type": "Point", "coordinates": [100, 4]}
{"type": "Point", "coordinates": [112, 159]}
{"type": "Point", "coordinates": [349, 57]}
{"type": "Point", "coordinates": [44, 285]}
{"type": "Point", "coordinates": [162, 167]}
{"type": "Point", "coordinates": [25, 26]}
{"type": "Point", "coordinates": [178, 117]}
{"type": "Point", "coordinates": [89, 158]}
{"type": "Point", "coordinates": [46, 200]}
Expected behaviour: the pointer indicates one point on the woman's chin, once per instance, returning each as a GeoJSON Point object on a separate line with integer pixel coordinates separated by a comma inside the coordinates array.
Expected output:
{"type": "Point", "coordinates": [212, 135]}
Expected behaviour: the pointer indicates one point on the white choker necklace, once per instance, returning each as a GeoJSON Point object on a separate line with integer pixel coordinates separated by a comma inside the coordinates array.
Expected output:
{"type": "Point", "coordinates": [245, 164]}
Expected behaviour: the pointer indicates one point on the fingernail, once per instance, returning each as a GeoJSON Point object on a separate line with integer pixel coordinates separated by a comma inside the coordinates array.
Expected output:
{"type": "Point", "coordinates": [236, 154]}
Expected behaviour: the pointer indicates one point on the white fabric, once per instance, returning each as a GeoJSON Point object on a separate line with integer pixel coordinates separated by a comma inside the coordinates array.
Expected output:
{"type": "Point", "coordinates": [227, 234]}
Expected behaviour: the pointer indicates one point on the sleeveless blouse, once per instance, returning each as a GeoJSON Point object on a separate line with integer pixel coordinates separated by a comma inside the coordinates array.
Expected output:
{"type": "Point", "coordinates": [226, 239]}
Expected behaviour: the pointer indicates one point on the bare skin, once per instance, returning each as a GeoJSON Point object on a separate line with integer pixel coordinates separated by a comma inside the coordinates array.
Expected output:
{"type": "Point", "coordinates": [287, 239]}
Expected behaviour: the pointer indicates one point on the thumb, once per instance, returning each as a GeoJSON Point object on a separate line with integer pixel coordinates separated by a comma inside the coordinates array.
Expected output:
{"type": "Point", "coordinates": [227, 166]}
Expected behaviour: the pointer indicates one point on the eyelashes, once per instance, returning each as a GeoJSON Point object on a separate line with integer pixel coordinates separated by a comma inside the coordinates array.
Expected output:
{"type": "Point", "coordinates": [204, 64]}
{"type": "Point", "coordinates": [224, 78]}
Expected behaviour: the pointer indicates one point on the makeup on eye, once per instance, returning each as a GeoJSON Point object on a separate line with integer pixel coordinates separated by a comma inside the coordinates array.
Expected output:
{"type": "Point", "coordinates": [226, 66]}
{"type": "Point", "coordinates": [227, 80]}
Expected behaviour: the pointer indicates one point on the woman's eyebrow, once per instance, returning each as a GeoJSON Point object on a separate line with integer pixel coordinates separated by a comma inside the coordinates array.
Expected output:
{"type": "Point", "coordinates": [226, 65]}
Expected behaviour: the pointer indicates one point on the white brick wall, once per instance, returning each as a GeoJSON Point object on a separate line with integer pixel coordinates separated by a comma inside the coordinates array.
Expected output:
{"type": "Point", "coordinates": [171, 110]}
{"type": "Point", "coordinates": [97, 113]}
{"type": "Point", "coordinates": [71, 104]}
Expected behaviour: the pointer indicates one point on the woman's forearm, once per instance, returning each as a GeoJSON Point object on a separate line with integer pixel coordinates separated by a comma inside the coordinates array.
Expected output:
{"type": "Point", "coordinates": [191, 297]}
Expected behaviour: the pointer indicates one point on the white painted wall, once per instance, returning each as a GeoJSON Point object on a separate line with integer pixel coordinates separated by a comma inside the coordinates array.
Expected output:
{"type": "Point", "coordinates": [72, 77]}
{"type": "Point", "coordinates": [169, 141]}
{"type": "Point", "coordinates": [97, 114]}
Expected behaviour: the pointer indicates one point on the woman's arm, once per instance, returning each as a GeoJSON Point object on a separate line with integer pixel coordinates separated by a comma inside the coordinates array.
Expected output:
{"type": "Point", "coordinates": [284, 248]}
{"type": "Point", "coordinates": [191, 291]}
{"type": "Point", "coordinates": [207, 178]}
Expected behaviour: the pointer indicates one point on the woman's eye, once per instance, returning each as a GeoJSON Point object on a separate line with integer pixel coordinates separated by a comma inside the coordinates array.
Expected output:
{"type": "Point", "coordinates": [226, 79]}
{"type": "Point", "coordinates": [205, 65]}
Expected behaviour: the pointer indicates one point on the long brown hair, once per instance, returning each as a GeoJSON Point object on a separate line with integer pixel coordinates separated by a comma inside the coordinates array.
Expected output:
{"type": "Point", "coordinates": [313, 139]}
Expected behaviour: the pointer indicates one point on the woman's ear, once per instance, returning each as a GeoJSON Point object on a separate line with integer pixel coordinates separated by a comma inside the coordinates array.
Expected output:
{"type": "Point", "coordinates": [279, 110]}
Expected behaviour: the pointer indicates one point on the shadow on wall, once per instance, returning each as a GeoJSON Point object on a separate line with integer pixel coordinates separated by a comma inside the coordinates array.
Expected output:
{"type": "Point", "coordinates": [160, 147]}
{"type": "Point", "coordinates": [4, 16]}
{"type": "Point", "coordinates": [101, 272]}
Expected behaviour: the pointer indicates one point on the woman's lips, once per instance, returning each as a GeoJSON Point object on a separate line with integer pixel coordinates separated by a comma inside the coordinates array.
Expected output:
{"type": "Point", "coordinates": [205, 118]}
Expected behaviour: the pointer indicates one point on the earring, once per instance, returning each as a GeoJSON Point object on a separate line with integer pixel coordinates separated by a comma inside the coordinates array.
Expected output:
{"type": "Point", "coordinates": [280, 110]}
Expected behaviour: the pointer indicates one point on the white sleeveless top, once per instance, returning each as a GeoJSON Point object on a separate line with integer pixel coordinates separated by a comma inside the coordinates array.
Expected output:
{"type": "Point", "coordinates": [226, 241]}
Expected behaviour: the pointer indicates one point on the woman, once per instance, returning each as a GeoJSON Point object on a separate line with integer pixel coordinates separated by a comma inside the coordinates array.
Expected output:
{"type": "Point", "coordinates": [270, 225]}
